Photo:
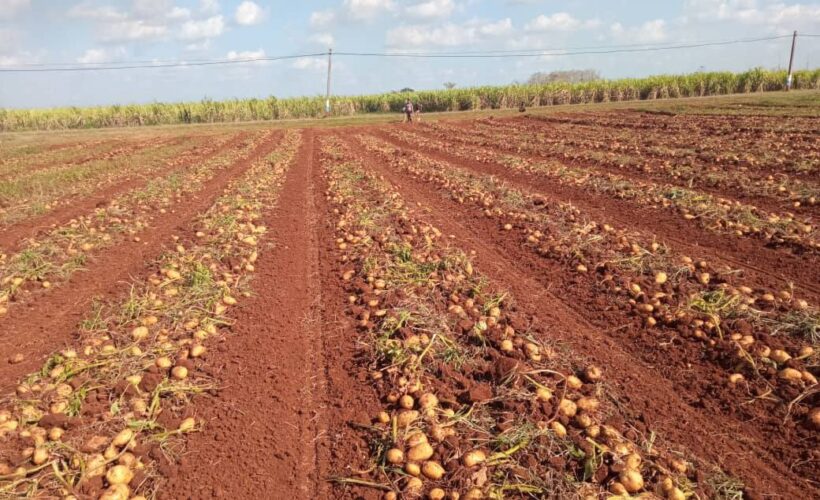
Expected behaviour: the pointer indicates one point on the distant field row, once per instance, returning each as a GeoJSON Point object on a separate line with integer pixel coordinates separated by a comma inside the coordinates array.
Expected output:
{"type": "Point", "coordinates": [467, 99]}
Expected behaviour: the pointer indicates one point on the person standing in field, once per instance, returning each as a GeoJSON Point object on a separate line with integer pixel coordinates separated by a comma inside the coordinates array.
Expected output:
{"type": "Point", "coordinates": [417, 112]}
{"type": "Point", "coordinates": [408, 111]}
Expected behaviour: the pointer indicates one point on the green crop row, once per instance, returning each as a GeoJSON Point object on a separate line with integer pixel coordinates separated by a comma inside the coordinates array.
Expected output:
{"type": "Point", "coordinates": [487, 97]}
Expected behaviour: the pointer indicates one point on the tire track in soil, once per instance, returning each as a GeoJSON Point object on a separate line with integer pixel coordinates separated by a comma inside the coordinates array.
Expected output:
{"type": "Point", "coordinates": [263, 426]}
{"type": "Point", "coordinates": [42, 325]}
{"type": "Point", "coordinates": [661, 403]}
{"type": "Point", "coordinates": [13, 237]}
{"type": "Point", "coordinates": [747, 254]}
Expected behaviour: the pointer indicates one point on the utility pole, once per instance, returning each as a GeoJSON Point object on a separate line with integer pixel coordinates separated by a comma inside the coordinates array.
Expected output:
{"type": "Point", "coordinates": [329, 67]}
{"type": "Point", "coordinates": [791, 62]}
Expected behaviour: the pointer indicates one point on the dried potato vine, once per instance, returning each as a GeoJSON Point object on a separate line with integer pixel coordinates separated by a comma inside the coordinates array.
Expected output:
{"type": "Point", "coordinates": [96, 415]}
{"type": "Point", "coordinates": [655, 284]}
{"type": "Point", "coordinates": [419, 306]}
{"type": "Point", "coordinates": [711, 212]}
{"type": "Point", "coordinates": [52, 258]}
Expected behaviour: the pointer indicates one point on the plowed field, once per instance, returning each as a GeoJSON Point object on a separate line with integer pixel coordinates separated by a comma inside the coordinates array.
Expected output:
{"type": "Point", "coordinates": [588, 304]}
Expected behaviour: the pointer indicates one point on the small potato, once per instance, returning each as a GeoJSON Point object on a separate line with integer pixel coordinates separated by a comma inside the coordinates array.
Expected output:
{"type": "Point", "coordinates": [420, 452]}
{"type": "Point", "coordinates": [473, 458]}
{"type": "Point", "coordinates": [119, 474]}
{"type": "Point", "coordinates": [394, 456]}
{"type": "Point", "coordinates": [432, 470]}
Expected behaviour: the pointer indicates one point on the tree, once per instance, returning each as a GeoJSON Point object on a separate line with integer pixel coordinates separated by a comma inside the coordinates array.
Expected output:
{"type": "Point", "coordinates": [569, 76]}
{"type": "Point", "coordinates": [449, 85]}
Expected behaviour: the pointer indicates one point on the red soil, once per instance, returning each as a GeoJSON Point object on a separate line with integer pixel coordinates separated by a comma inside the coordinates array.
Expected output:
{"type": "Point", "coordinates": [673, 401]}
{"type": "Point", "coordinates": [43, 324]}
{"type": "Point", "coordinates": [294, 391]}
{"type": "Point", "coordinates": [13, 237]}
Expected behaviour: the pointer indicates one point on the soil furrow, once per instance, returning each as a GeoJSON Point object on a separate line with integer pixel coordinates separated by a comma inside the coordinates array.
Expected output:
{"type": "Point", "coordinates": [665, 404]}
{"type": "Point", "coordinates": [45, 324]}
{"type": "Point", "coordinates": [736, 252]}
{"type": "Point", "coordinates": [348, 399]}
{"type": "Point", "coordinates": [269, 369]}
{"type": "Point", "coordinates": [12, 238]}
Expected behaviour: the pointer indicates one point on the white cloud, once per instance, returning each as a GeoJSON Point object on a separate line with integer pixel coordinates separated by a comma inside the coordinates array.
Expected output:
{"type": "Point", "coordinates": [246, 54]}
{"type": "Point", "coordinates": [431, 9]}
{"type": "Point", "coordinates": [86, 10]}
{"type": "Point", "coordinates": [91, 56]}
{"type": "Point", "coordinates": [774, 15]}
{"type": "Point", "coordinates": [650, 31]}
{"type": "Point", "coordinates": [449, 34]}
{"type": "Point", "coordinates": [249, 13]}
{"type": "Point", "coordinates": [311, 63]}
{"type": "Point", "coordinates": [321, 18]}
{"type": "Point", "coordinates": [209, 7]}
{"type": "Point", "coordinates": [179, 13]}
{"type": "Point", "coordinates": [121, 31]}
{"type": "Point", "coordinates": [323, 39]}
{"type": "Point", "coordinates": [151, 9]}
{"type": "Point", "coordinates": [560, 21]}
{"type": "Point", "coordinates": [365, 10]}
{"type": "Point", "coordinates": [10, 8]}
{"type": "Point", "coordinates": [249, 55]}
{"type": "Point", "coordinates": [206, 28]}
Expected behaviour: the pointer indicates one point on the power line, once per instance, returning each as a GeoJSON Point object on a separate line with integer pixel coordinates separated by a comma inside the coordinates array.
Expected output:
{"type": "Point", "coordinates": [489, 54]}
{"type": "Point", "coordinates": [559, 52]}
{"type": "Point", "coordinates": [663, 45]}
{"type": "Point", "coordinates": [161, 65]}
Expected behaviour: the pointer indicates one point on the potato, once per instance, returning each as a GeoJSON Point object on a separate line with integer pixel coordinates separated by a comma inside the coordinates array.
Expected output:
{"type": "Point", "coordinates": [40, 456]}
{"type": "Point", "coordinates": [179, 372]}
{"type": "Point", "coordinates": [567, 407]}
{"type": "Point", "coordinates": [139, 333]}
{"type": "Point", "coordinates": [473, 458]}
{"type": "Point", "coordinates": [163, 362]}
{"type": "Point", "coordinates": [574, 382]}
{"type": "Point", "coordinates": [592, 373]}
{"type": "Point", "coordinates": [416, 438]}
{"type": "Point", "coordinates": [632, 480]}
{"type": "Point", "coordinates": [790, 374]}
{"type": "Point", "coordinates": [406, 402]}
{"type": "Point", "coordinates": [543, 394]}
{"type": "Point", "coordinates": [436, 494]}
{"type": "Point", "coordinates": [116, 492]}
{"type": "Point", "coordinates": [394, 456]}
{"type": "Point", "coordinates": [432, 470]}
{"type": "Point", "coordinates": [558, 428]}
{"type": "Point", "coordinates": [413, 469]}
{"type": "Point", "coordinates": [814, 417]}
{"type": "Point", "coordinates": [420, 452]}
{"type": "Point", "coordinates": [428, 401]}
{"type": "Point", "coordinates": [413, 486]}
{"type": "Point", "coordinates": [95, 466]}
{"type": "Point", "coordinates": [187, 425]}
{"type": "Point", "coordinates": [588, 404]}
{"type": "Point", "coordinates": [123, 438]}
{"type": "Point", "coordinates": [119, 474]}
{"type": "Point", "coordinates": [407, 417]}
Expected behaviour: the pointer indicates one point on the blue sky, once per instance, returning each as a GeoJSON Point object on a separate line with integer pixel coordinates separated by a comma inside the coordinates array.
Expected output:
{"type": "Point", "coordinates": [104, 31]}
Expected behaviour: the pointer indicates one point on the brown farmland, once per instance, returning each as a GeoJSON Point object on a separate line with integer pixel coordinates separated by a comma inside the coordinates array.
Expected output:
{"type": "Point", "coordinates": [567, 304]}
